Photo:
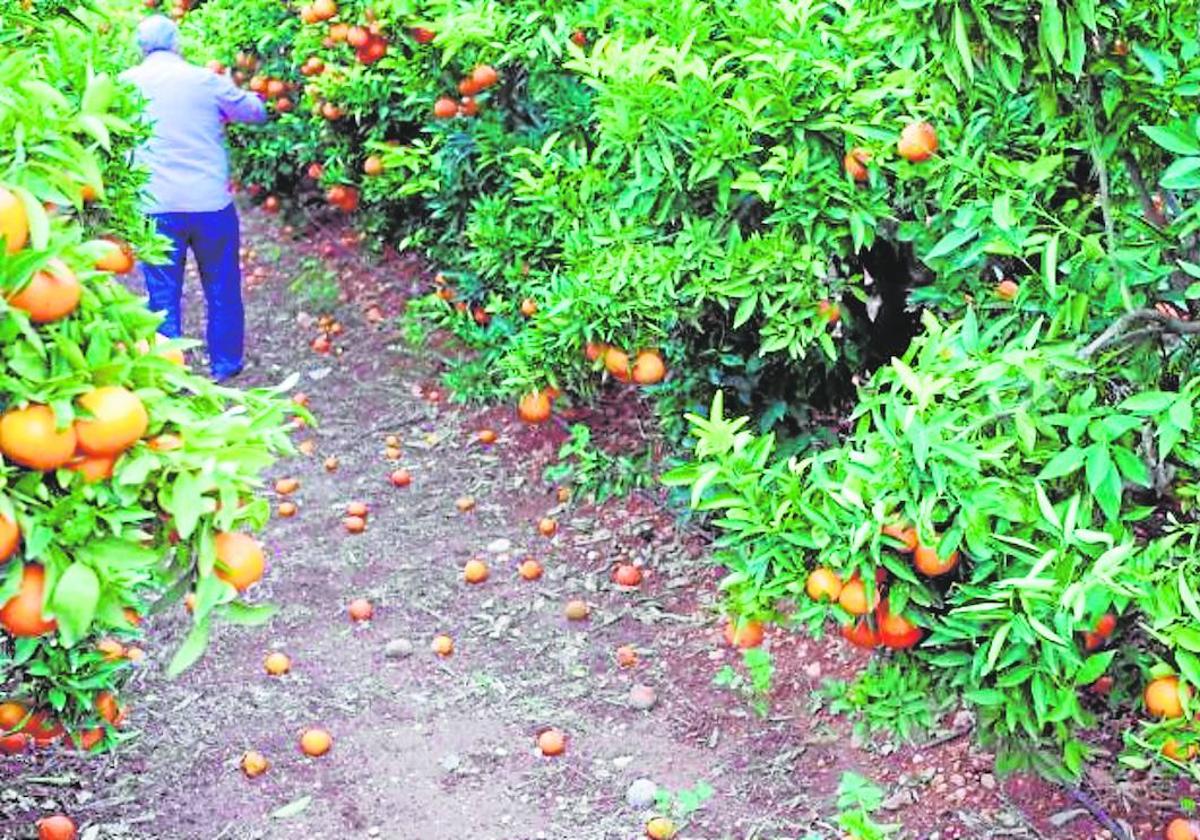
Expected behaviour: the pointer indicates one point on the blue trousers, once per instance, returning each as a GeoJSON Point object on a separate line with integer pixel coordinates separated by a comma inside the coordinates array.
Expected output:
{"type": "Point", "coordinates": [214, 239]}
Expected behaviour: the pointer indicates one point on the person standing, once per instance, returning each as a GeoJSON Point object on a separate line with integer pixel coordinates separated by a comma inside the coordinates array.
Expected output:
{"type": "Point", "coordinates": [188, 195]}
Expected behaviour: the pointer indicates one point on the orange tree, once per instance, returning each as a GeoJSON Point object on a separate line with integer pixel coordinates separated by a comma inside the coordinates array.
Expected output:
{"type": "Point", "coordinates": [125, 479]}
{"type": "Point", "coordinates": [726, 182]}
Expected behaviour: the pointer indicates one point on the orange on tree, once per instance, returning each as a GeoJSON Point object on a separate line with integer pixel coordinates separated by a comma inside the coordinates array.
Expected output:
{"type": "Point", "coordinates": [1163, 697]}
{"type": "Point", "coordinates": [116, 257]}
{"type": "Point", "coordinates": [113, 650]}
{"type": "Point", "coordinates": [423, 36]}
{"type": "Point", "coordinates": [861, 634]}
{"type": "Point", "coordinates": [829, 311]}
{"type": "Point", "coordinates": [529, 307]}
{"type": "Point", "coordinates": [616, 362]}
{"type": "Point", "coordinates": [52, 293]}
{"type": "Point", "coordinates": [918, 142]}
{"type": "Point", "coordinates": [14, 222]}
{"type": "Point", "coordinates": [108, 708]}
{"type": "Point", "coordinates": [1007, 289]}
{"type": "Point", "coordinates": [853, 597]}
{"type": "Point", "coordinates": [1179, 752]}
{"type": "Point", "coordinates": [372, 165]}
{"type": "Point", "coordinates": [743, 634]}
{"type": "Point", "coordinates": [12, 715]}
{"type": "Point", "coordinates": [648, 368]}
{"type": "Point", "coordinates": [21, 615]}
{"type": "Point", "coordinates": [855, 163]}
{"type": "Point", "coordinates": [823, 584]}
{"type": "Point", "coordinates": [903, 534]}
{"type": "Point", "coordinates": [926, 559]}
{"type": "Point", "coordinates": [240, 559]}
{"type": "Point", "coordinates": [445, 108]}
{"type": "Point", "coordinates": [117, 421]}
{"type": "Point", "coordinates": [484, 76]}
{"type": "Point", "coordinates": [94, 468]}
{"type": "Point", "coordinates": [534, 407]}
{"type": "Point", "coordinates": [896, 631]}
{"type": "Point", "coordinates": [10, 537]}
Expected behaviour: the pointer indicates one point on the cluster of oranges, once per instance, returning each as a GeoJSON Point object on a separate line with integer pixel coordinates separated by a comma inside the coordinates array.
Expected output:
{"type": "Point", "coordinates": [368, 41]}
{"type": "Point", "coordinates": [918, 141]}
{"type": "Point", "coordinates": [647, 367]}
{"type": "Point", "coordinates": [474, 83]}
{"type": "Point", "coordinates": [328, 329]}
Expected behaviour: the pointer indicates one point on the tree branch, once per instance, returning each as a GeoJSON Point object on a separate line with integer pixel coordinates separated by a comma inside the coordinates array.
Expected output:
{"type": "Point", "coordinates": [1135, 176]}
{"type": "Point", "coordinates": [1150, 323]}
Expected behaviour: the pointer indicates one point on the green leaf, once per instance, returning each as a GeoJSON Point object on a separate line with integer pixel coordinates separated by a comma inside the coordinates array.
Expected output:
{"type": "Point", "coordinates": [249, 615]}
{"type": "Point", "coordinates": [1177, 138]}
{"type": "Point", "coordinates": [1183, 174]}
{"type": "Point", "coordinates": [1094, 667]}
{"type": "Point", "coordinates": [191, 650]}
{"type": "Point", "coordinates": [76, 596]}
{"type": "Point", "coordinates": [292, 809]}
{"type": "Point", "coordinates": [1050, 261]}
{"type": "Point", "coordinates": [951, 242]}
{"type": "Point", "coordinates": [963, 43]}
{"type": "Point", "coordinates": [1053, 37]}
{"type": "Point", "coordinates": [1064, 463]}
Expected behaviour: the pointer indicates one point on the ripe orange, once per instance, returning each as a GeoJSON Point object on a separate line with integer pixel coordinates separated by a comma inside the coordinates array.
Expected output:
{"type": "Point", "coordinates": [57, 827]}
{"type": "Point", "coordinates": [10, 537]}
{"type": "Point", "coordinates": [338, 32]}
{"type": "Point", "coordinates": [401, 478]}
{"type": "Point", "coordinates": [324, 9]}
{"type": "Point", "coordinates": [270, 204]}
{"type": "Point", "coordinates": [529, 307]}
{"type": "Point", "coordinates": [530, 569]}
{"type": "Point", "coordinates": [332, 113]}
{"type": "Point", "coordinates": [1178, 752]}
{"type": "Point", "coordinates": [254, 764]}
{"type": "Point", "coordinates": [277, 664]}
{"type": "Point", "coordinates": [860, 634]}
{"type": "Point", "coordinates": [896, 631]}
{"type": "Point", "coordinates": [616, 362]}
{"type": "Point", "coordinates": [445, 108]}
{"type": "Point", "coordinates": [354, 524]}
{"type": "Point", "coordinates": [240, 560]}
{"type": "Point", "coordinates": [287, 486]}
{"type": "Point", "coordinates": [465, 504]}
{"type": "Point", "coordinates": [108, 708]}
{"type": "Point", "coordinates": [486, 436]}
{"type": "Point", "coordinates": [476, 571]}
{"type": "Point", "coordinates": [361, 610]}
{"type": "Point", "coordinates": [905, 535]}
{"type": "Point", "coordinates": [534, 407]}
{"type": "Point", "coordinates": [165, 443]}
{"type": "Point", "coordinates": [1007, 289]}
{"type": "Point", "coordinates": [275, 89]}
{"type": "Point", "coordinates": [113, 650]}
{"type": "Point", "coordinates": [547, 526]}
{"type": "Point", "coordinates": [22, 614]}
{"type": "Point", "coordinates": [14, 744]}
{"type": "Point", "coordinates": [1181, 829]}
{"type": "Point", "coordinates": [855, 163]}
{"type": "Point", "coordinates": [357, 36]}
{"type": "Point", "coordinates": [116, 258]}
{"type": "Point", "coordinates": [743, 634]}
{"type": "Point", "coordinates": [648, 368]}
{"type": "Point", "coordinates": [1105, 625]}
{"type": "Point", "coordinates": [391, 441]}
{"type": "Point", "coordinates": [823, 584]}
{"type": "Point", "coordinates": [552, 742]}
{"type": "Point", "coordinates": [332, 463]}
{"type": "Point", "coordinates": [94, 468]}
{"type": "Point", "coordinates": [660, 828]}
{"type": "Point", "coordinates": [627, 656]}
{"type": "Point", "coordinates": [627, 574]}
{"type": "Point", "coordinates": [918, 142]}
{"type": "Point", "coordinates": [134, 654]}
{"type": "Point", "coordinates": [189, 601]}
{"type": "Point", "coordinates": [14, 223]}
{"type": "Point", "coordinates": [829, 311]}
{"type": "Point", "coordinates": [563, 494]}
{"type": "Point", "coordinates": [1162, 697]}
{"type": "Point", "coordinates": [576, 610]}
{"type": "Point", "coordinates": [118, 421]}
{"type": "Point", "coordinates": [43, 728]}
{"type": "Point", "coordinates": [853, 598]}
{"type": "Point", "coordinates": [51, 293]}
{"type": "Point", "coordinates": [358, 509]}
{"type": "Point", "coordinates": [594, 350]}
{"type": "Point", "coordinates": [926, 559]}
{"type": "Point", "coordinates": [12, 715]}
{"type": "Point", "coordinates": [315, 742]}
{"type": "Point", "coordinates": [442, 645]}
{"type": "Point", "coordinates": [372, 165]}
{"type": "Point", "coordinates": [423, 36]}
{"type": "Point", "coordinates": [484, 76]}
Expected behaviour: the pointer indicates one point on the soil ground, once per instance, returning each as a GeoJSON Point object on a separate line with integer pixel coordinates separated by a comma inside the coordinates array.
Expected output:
{"type": "Point", "coordinates": [431, 749]}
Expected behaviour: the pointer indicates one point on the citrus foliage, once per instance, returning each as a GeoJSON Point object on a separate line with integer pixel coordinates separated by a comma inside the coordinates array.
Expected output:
{"type": "Point", "coordinates": [119, 464]}
{"type": "Point", "coordinates": [712, 177]}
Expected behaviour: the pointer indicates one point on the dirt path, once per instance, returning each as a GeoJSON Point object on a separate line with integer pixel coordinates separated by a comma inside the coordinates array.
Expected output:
{"type": "Point", "coordinates": [429, 749]}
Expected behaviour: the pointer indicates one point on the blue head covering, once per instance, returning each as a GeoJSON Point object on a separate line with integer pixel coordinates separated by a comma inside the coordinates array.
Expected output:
{"type": "Point", "coordinates": [158, 33]}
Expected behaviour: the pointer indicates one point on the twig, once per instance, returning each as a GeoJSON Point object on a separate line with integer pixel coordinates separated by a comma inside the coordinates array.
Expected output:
{"type": "Point", "coordinates": [1119, 332]}
{"type": "Point", "coordinates": [1101, 171]}
{"type": "Point", "coordinates": [1098, 813]}
{"type": "Point", "coordinates": [1135, 176]}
